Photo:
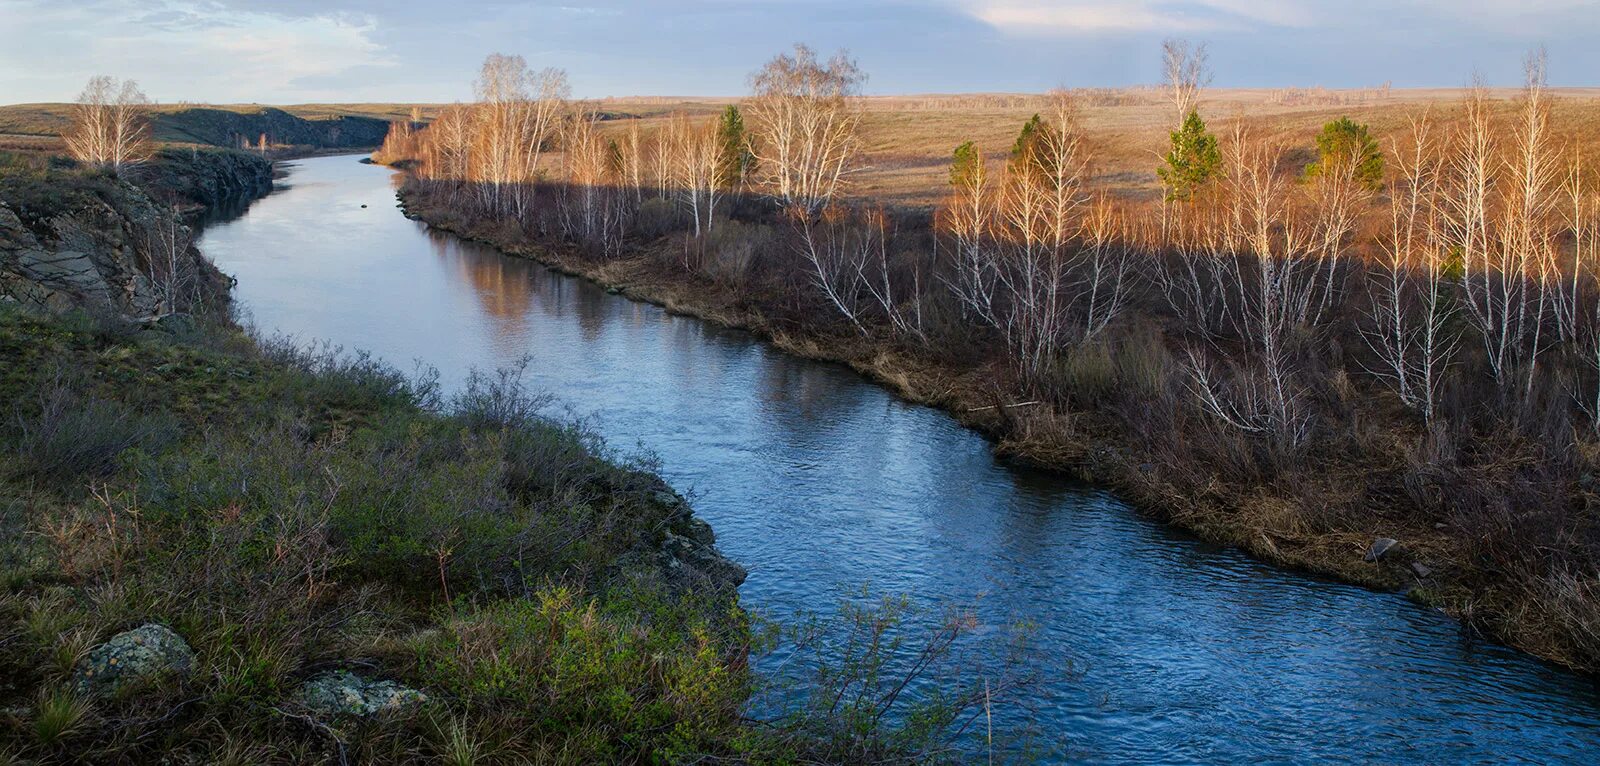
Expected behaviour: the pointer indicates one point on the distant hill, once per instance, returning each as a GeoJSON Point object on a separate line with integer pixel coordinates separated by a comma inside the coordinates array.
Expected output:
{"type": "Point", "coordinates": [320, 126]}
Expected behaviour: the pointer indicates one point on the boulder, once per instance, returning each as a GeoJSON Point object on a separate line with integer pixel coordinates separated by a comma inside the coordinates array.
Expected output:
{"type": "Point", "coordinates": [1421, 570]}
{"type": "Point", "coordinates": [133, 657]}
{"type": "Point", "coordinates": [1379, 547]}
{"type": "Point", "coordinates": [342, 694]}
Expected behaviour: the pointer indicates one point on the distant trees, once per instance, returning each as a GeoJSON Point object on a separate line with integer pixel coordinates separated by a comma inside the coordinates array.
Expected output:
{"type": "Point", "coordinates": [110, 126]}
{"type": "Point", "coordinates": [803, 118]}
{"type": "Point", "coordinates": [1038, 256]}
{"type": "Point", "coordinates": [517, 117]}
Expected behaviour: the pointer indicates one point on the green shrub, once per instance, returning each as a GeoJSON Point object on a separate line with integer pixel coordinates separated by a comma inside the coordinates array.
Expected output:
{"type": "Point", "coordinates": [601, 682]}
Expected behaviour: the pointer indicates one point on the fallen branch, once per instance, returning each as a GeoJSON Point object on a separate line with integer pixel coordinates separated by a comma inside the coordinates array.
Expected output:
{"type": "Point", "coordinates": [998, 406]}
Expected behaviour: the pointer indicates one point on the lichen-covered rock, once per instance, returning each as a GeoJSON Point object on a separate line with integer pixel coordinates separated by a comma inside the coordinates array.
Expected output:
{"type": "Point", "coordinates": [342, 694]}
{"type": "Point", "coordinates": [133, 657]}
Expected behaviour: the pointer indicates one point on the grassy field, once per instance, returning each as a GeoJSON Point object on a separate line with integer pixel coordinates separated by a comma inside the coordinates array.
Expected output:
{"type": "Point", "coordinates": [907, 140]}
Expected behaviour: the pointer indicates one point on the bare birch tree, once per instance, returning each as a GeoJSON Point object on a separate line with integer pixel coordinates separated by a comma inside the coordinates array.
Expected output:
{"type": "Point", "coordinates": [1184, 72]}
{"type": "Point", "coordinates": [170, 270]}
{"type": "Point", "coordinates": [698, 169]}
{"type": "Point", "coordinates": [1498, 218]}
{"type": "Point", "coordinates": [110, 128]}
{"type": "Point", "coordinates": [1411, 300]}
{"type": "Point", "coordinates": [519, 112]}
{"type": "Point", "coordinates": [968, 219]}
{"type": "Point", "coordinates": [804, 117]}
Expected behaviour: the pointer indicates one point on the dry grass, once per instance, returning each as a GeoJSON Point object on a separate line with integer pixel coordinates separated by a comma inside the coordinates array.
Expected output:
{"type": "Point", "coordinates": [907, 140]}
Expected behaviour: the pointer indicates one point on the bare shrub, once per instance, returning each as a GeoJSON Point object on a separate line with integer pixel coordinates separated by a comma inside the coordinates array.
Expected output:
{"type": "Point", "coordinates": [71, 438]}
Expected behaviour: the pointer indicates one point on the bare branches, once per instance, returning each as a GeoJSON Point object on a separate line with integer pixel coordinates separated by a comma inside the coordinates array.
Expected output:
{"type": "Point", "coordinates": [1184, 72]}
{"type": "Point", "coordinates": [804, 120]}
{"type": "Point", "coordinates": [109, 125]}
{"type": "Point", "coordinates": [1412, 299]}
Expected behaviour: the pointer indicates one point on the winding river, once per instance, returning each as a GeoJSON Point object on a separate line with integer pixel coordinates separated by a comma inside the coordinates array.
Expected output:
{"type": "Point", "coordinates": [1159, 648]}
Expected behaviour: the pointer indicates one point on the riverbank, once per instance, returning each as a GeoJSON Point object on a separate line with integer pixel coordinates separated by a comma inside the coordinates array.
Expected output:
{"type": "Point", "coordinates": [1323, 523]}
{"type": "Point", "coordinates": [218, 549]}
{"type": "Point", "coordinates": [305, 543]}
{"type": "Point", "coordinates": [501, 578]}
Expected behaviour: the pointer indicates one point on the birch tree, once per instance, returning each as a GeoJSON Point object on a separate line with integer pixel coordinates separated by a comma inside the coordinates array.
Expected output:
{"type": "Point", "coordinates": [1408, 328]}
{"type": "Point", "coordinates": [109, 126]}
{"type": "Point", "coordinates": [1184, 72]}
{"type": "Point", "coordinates": [804, 118]}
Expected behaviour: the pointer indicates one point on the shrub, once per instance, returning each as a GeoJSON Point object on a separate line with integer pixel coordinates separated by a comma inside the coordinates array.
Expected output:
{"type": "Point", "coordinates": [657, 217]}
{"type": "Point", "coordinates": [732, 249]}
{"type": "Point", "coordinates": [69, 438]}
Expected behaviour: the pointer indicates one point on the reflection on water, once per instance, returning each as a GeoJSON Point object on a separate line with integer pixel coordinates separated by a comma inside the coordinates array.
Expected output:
{"type": "Point", "coordinates": [819, 483]}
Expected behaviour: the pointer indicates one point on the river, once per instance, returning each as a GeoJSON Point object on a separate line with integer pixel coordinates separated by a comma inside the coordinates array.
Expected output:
{"type": "Point", "coordinates": [1156, 647]}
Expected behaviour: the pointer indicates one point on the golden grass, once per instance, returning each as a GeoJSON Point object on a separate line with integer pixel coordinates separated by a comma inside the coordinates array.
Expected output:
{"type": "Point", "coordinates": [907, 140]}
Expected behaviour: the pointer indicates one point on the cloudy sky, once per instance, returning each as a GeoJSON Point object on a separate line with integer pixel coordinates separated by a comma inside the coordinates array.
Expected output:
{"type": "Point", "coordinates": [284, 51]}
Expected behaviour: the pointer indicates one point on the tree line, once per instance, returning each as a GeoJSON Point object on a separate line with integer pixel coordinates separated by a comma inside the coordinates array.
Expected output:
{"type": "Point", "coordinates": [1442, 282]}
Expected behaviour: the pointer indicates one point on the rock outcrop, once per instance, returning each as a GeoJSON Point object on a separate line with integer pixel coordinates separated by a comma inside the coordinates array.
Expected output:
{"type": "Point", "coordinates": [196, 178]}
{"type": "Point", "coordinates": [686, 557]}
{"type": "Point", "coordinates": [80, 240]}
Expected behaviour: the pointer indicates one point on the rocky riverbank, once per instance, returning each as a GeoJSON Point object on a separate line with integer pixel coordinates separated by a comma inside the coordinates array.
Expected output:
{"type": "Point", "coordinates": [80, 238]}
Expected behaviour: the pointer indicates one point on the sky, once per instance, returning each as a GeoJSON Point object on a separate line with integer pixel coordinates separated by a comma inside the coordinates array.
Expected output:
{"type": "Point", "coordinates": [298, 51]}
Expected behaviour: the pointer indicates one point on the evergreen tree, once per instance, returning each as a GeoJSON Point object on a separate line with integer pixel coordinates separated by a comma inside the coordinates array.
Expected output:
{"type": "Point", "coordinates": [964, 164]}
{"type": "Point", "coordinates": [738, 161]}
{"type": "Point", "coordinates": [1194, 158]}
{"type": "Point", "coordinates": [1029, 155]}
{"type": "Point", "coordinates": [1027, 140]}
{"type": "Point", "coordinates": [1346, 141]}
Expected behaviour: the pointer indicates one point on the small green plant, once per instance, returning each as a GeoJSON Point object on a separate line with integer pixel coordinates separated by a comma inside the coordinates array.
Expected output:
{"type": "Point", "coordinates": [60, 714]}
{"type": "Point", "coordinates": [1193, 160]}
{"type": "Point", "coordinates": [459, 746]}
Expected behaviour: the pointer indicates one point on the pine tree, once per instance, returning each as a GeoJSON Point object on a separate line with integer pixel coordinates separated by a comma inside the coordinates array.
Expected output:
{"type": "Point", "coordinates": [964, 164]}
{"type": "Point", "coordinates": [1194, 158]}
{"type": "Point", "coordinates": [739, 161]}
{"type": "Point", "coordinates": [1345, 141]}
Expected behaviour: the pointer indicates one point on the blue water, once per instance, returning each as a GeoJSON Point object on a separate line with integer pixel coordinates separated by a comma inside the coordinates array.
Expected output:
{"type": "Point", "coordinates": [1153, 647]}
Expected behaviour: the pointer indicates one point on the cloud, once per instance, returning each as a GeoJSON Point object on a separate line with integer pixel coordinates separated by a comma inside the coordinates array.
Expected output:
{"type": "Point", "coordinates": [1080, 17]}
{"type": "Point", "coordinates": [1044, 17]}
{"type": "Point", "coordinates": [187, 48]}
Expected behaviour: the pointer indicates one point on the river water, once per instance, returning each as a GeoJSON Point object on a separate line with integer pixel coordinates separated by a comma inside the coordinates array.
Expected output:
{"type": "Point", "coordinates": [1156, 647]}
